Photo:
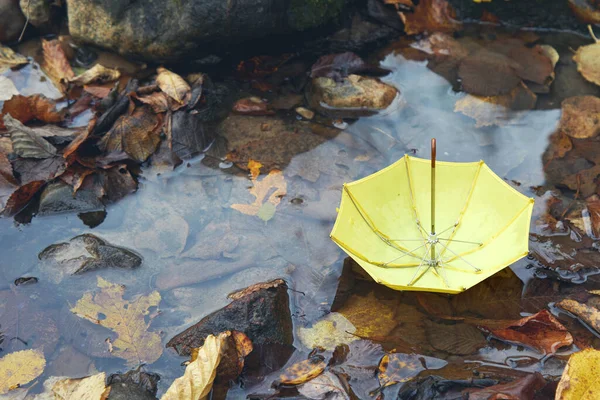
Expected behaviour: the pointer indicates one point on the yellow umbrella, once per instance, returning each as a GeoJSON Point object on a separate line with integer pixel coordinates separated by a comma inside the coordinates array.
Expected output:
{"type": "Point", "coordinates": [437, 227]}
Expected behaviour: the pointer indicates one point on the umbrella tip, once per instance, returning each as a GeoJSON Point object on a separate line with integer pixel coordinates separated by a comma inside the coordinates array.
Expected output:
{"type": "Point", "coordinates": [531, 200]}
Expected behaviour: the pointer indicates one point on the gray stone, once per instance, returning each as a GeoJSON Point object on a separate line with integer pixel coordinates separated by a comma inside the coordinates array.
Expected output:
{"type": "Point", "coordinates": [172, 29]}
{"type": "Point", "coordinates": [12, 20]}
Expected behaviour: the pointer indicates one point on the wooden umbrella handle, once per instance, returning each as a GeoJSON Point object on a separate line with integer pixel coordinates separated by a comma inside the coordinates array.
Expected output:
{"type": "Point", "coordinates": [433, 153]}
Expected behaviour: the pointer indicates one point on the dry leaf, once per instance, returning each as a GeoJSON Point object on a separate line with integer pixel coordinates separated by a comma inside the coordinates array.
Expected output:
{"type": "Point", "coordinates": [496, 110]}
{"type": "Point", "coordinates": [134, 342]}
{"type": "Point", "coordinates": [87, 388]}
{"type": "Point", "coordinates": [10, 59]}
{"type": "Point", "coordinates": [430, 16]}
{"type": "Point", "coordinates": [579, 117]}
{"type": "Point", "coordinates": [588, 314]}
{"type": "Point", "coordinates": [19, 368]}
{"type": "Point", "coordinates": [197, 380]}
{"type": "Point", "coordinates": [97, 74]}
{"type": "Point", "coordinates": [136, 134]}
{"type": "Point", "coordinates": [260, 190]}
{"type": "Point", "coordinates": [36, 107]}
{"type": "Point", "coordinates": [173, 85]}
{"type": "Point", "coordinates": [588, 61]}
{"type": "Point", "coordinates": [580, 377]}
{"type": "Point", "coordinates": [19, 199]}
{"type": "Point", "coordinates": [157, 100]}
{"type": "Point", "coordinates": [27, 143]}
{"type": "Point", "coordinates": [56, 65]}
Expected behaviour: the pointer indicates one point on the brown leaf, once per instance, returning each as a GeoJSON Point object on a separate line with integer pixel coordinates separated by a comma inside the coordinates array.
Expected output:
{"type": "Point", "coordinates": [302, 371]}
{"type": "Point", "coordinates": [540, 331]}
{"type": "Point", "coordinates": [588, 314]}
{"type": "Point", "coordinates": [96, 74]}
{"type": "Point", "coordinates": [487, 73]}
{"type": "Point", "coordinates": [588, 62]}
{"type": "Point", "coordinates": [430, 16]}
{"type": "Point", "coordinates": [30, 170]}
{"type": "Point", "coordinates": [532, 64]}
{"type": "Point", "coordinates": [189, 135]}
{"type": "Point", "coordinates": [56, 65]}
{"type": "Point", "coordinates": [99, 91]}
{"type": "Point", "coordinates": [399, 368]}
{"type": "Point", "coordinates": [460, 338]}
{"type": "Point", "coordinates": [173, 85]}
{"type": "Point", "coordinates": [28, 108]}
{"type": "Point", "coordinates": [22, 196]}
{"type": "Point", "coordinates": [10, 59]}
{"type": "Point", "coordinates": [6, 170]}
{"type": "Point", "coordinates": [26, 142]}
{"type": "Point", "coordinates": [79, 139]}
{"type": "Point", "coordinates": [157, 100]}
{"type": "Point", "coordinates": [560, 144]}
{"type": "Point", "coordinates": [135, 134]}
{"type": "Point", "coordinates": [520, 389]}
{"type": "Point", "coordinates": [252, 106]}
{"type": "Point", "coordinates": [579, 118]}
{"type": "Point", "coordinates": [593, 206]}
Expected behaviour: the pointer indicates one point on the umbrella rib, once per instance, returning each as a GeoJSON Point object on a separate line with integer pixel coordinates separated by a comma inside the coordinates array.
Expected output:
{"type": "Point", "coordinates": [451, 251]}
{"type": "Point", "coordinates": [462, 212]}
{"type": "Point", "coordinates": [412, 200]}
{"type": "Point", "coordinates": [403, 255]}
{"type": "Point", "coordinates": [383, 237]}
{"type": "Point", "coordinates": [414, 278]}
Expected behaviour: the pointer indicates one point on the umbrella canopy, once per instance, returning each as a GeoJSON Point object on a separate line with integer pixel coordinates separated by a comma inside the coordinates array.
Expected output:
{"type": "Point", "coordinates": [439, 227]}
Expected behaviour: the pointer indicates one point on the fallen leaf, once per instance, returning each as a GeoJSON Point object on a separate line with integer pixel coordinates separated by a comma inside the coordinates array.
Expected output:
{"type": "Point", "coordinates": [579, 379]}
{"type": "Point", "coordinates": [56, 65]}
{"type": "Point", "coordinates": [157, 100]}
{"type": "Point", "coordinates": [260, 190]}
{"type": "Point", "coordinates": [254, 168]}
{"type": "Point", "coordinates": [189, 135]}
{"type": "Point", "coordinates": [197, 380]}
{"type": "Point", "coordinates": [10, 59]}
{"type": "Point", "coordinates": [593, 206]}
{"type": "Point", "coordinates": [96, 74]}
{"type": "Point", "coordinates": [81, 137]}
{"type": "Point", "coordinates": [430, 16]}
{"type": "Point", "coordinates": [487, 73]}
{"type": "Point", "coordinates": [134, 342]}
{"type": "Point", "coordinates": [325, 386]}
{"type": "Point", "coordinates": [540, 331]}
{"type": "Point", "coordinates": [28, 108]}
{"type": "Point", "coordinates": [399, 368]}
{"type": "Point", "coordinates": [579, 117]}
{"type": "Point", "coordinates": [86, 388]}
{"type": "Point", "coordinates": [19, 199]}
{"type": "Point", "coordinates": [533, 64]}
{"type": "Point", "coordinates": [338, 66]}
{"type": "Point", "coordinates": [301, 372]}
{"type": "Point", "coordinates": [588, 314]}
{"type": "Point", "coordinates": [496, 110]}
{"type": "Point", "coordinates": [173, 85]}
{"type": "Point", "coordinates": [99, 91]}
{"type": "Point", "coordinates": [370, 315]}
{"type": "Point", "coordinates": [332, 330]}
{"type": "Point", "coordinates": [459, 338]}
{"type": "Point", "coordinates": [20, 368]}
{"type": "Point", "coordinates": [7, 88]}
{"type": "Point", "coordinates": [587, 59]}
{"type": "Point", "coordinates": [520, 389]}
{"type": "Point", "coordinates": [29, 169]}
{"type": "Point", "coordinates": [560, 144]}
{"type": "Point", "coordinates": [26, 142]}
{"type": "Point", "coordinates": [136, 134]}
{"type": "Point", "coordinates": [6, 169]}
{"type": "Point", "coordinates": [252, 106]}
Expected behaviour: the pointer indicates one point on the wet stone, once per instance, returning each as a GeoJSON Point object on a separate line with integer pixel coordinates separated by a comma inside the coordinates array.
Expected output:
{"type": "Point", "coordinates": [85, 253]}
{"type": "Point", "coordinates": [133, 385]}
{"type": "Point", "coordinates": [26, 280]}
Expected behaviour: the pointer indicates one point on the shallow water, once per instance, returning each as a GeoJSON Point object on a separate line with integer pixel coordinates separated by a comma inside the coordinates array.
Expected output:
{"type": "Point", "coordinates": [197, 249]}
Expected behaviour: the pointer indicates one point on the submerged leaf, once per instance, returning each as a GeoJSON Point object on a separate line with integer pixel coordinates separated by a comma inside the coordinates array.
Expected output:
{"type": "Point", "coordinates": [56, 65]}
{"type": "Point", "coordinates": [519, 389]}
{"type": "Point", "coordinates": [87, 388]}
{"type": "Point", "coordinates": [430, 16]}
{"type": "Point", "coordinates": [19, 368]}
{"type": "Point", "coordinates": [461, 339]}
{"type": "Point", "coordinates": [588, 62]}
{"type": "Point", "coordinates": [302, 371]}
{"type": "Point", "coordinates": [97, 74]}
{"type": "Point", "coordinates": [487, 73]}
{"type": "Point", "coordinates": [26, 142]}
{"type": "Point", "coordinates": [134, 342]}
{"type": "Point", "coordinates": [579, 117]}
{"type": "Point", "coordinates": [260, 190]}
{"type": "Point", "coordinates": [399, 368]}
{"type": "Point", "coordinates": [579, 380]}
{"type": "Point", "coordinates": [173, 85]}
{"type": "Point", "coordinates": [588, 314]}
{"type": "Point", "coordinates": [325, 386]}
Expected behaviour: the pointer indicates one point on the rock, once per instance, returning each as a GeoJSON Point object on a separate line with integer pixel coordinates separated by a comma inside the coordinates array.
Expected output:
{"type": "Point", "coordinates": [12, 20]}
{"type": "Point", "coordinates": [58, 198]}
{"type": "Point", "coordinates": [353, 96]}
{"type": "Point", "coordinates": [305, 113]}
{"type": "Point", "coordinates": [261, 311]}
{"type": "Point", "coordinates": [26, 280]}
{"type": "Point", "coordinates": [129, 28]}
{"type": "Point", "coordinates": [85, 253]}
{"type": "Point", "coordinates": [133, 385]}
{"type": "Point", "coordinates": [37, 11]}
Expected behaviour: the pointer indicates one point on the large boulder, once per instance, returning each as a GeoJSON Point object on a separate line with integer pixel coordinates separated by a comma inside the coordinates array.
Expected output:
{"type": "Point", "coordinates": [168, 30]}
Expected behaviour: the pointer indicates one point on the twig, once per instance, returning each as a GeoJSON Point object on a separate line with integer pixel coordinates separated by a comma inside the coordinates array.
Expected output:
{"type": "Point", "coordinates": [26, 22]}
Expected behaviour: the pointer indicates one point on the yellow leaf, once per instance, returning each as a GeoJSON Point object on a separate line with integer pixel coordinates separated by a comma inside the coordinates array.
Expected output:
{"type": "Point", "coordinates": [302, 372]}
{"type": "Point", "coordinates": [172, 84]}
{"type": "Point", "coordinates": [134, 342]}
{"type": "Point", "coordinates": [20, 368]}
{"type": "Point", "coordinates": [580, 378]}
{"type": "Point", "coordinates": [87, 388]}
{"type": "Point", "coordinates": [97, 73]}
{"type": "Point", "coordinates": [254, 167]}
{"type": "Point", "coordinates": [328, 332]}
{"type": "Point", "coordinates": [9, 58]}
{"type": "Point", "coordinates": [587, 59]}
{"type": "Point", "coordinates": [260, 190]}
{"type": "Point", "coordinates": [197, 380]}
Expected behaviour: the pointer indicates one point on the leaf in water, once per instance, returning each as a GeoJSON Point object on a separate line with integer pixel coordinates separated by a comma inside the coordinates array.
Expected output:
{"type": "Point", "coordinates": [97, 74]}
{"type": "Point", "coordinates": [189, 135]}
{"type": "Point", "coordinates": [173, 85]}
{"type": "Point", "coordinates": [7, 88]}
{"type": "Point", "coordinates": [260, 189]}
{"type": "Point", "coordinates": [325, 386]}
{"type": "Point", "coordinates": [167, 237]}
{"type": "Point", "coordinates": [302, 372]}
{"type": "Point", "coordinates": [26, 142]}
{"type": "Point", "coordinates": [560, 144]}
{"type": "Point", "coordinates": [157, 100]}
{"type": "Point", "coordinates": [460, 339]}
{"type": "Point", "coordinates": [430, 16]}
{"type": "Point", "coordinates": [370, 315]}
{"type": "Point", "coordinates": [30, 170]}
{"type": "Point", "coordinates": [136, 134]}
{"type": "Point", "coordinates": [532, 63]}
{"type": "Point", "coordinates": [28, 108]}
{"type": "Point", "coordinates": [338, 66]}
{"type": "Point", "coordinates": [522, 389]}
{"type": "Point", "coordinates": [19, 368]}
{"type": "Point", "coordinates": [252, 106]}
{"type": "Point", "coordinates": [86, 388]}
{"type": "Point", "coordinates": [496, 110]}
{"type": "Point", "coordinates": [399, 368]}
{"type": "Point", "coordinates": [19, 199]}
{"type": "Point", "coordinates": [56, 65]}
{"type": "Point", "coordinates": [10, 59]}
{"type": "Point", "coordinates": [197, 380]}
{"type": "Point", "coordinates": [586, 313]}
{"type": "Point", "coordinates": [540, 331]}
{"type": "Point", "coordinates": [580, 377]}
{"type": "Point", "coordinates": [579, 117]}
{"type": "Point", "coordinates": [332, 330]}
{"type": "Point", "coordinates": [587, 59]}
{"type": "Point", "coordinates": [134, 342]}
{"type": "Point", "coordinates": [487, 73]}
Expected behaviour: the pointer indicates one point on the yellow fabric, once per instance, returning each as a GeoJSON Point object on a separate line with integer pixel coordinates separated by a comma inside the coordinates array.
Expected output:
{"type": "Point", "coordinates": [377, 224]}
